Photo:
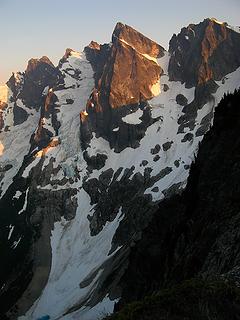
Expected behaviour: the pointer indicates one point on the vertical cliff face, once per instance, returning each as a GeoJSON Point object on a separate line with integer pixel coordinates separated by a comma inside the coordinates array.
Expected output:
{"type": "Point", "coordinates": [203, 52]}
{"type": "Point", "coordinates": [127, 75]}
{"type": "Point", "coordinates": [135, 71]}
{"type": "Point", "coordinates": [130, 70]}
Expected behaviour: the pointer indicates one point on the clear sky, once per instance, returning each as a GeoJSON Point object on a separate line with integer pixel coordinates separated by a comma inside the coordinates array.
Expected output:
{"type": "Point", "coordinates": [32, 28]}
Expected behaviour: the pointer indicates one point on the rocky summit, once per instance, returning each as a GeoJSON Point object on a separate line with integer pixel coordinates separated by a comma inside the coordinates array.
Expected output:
{"type": "Point", "coordinates": [97, 205]}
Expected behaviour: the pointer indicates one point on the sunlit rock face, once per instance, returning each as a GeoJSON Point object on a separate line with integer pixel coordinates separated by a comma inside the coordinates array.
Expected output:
{"type": "Point", "coordinates": [134, 70]}
{"type": "Point", "coordinates": [127, 75]}
{"type": "Point", "coordinates": [130, 70]}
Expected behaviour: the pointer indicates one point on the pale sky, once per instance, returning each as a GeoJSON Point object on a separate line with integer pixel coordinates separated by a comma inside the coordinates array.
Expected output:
{"type": "Point", "coordinates": [33, 28]}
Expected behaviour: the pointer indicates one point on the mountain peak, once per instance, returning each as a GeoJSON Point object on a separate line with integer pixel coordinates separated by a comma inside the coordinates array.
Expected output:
{"type": "Point", "coordinates": [127, 75]}
{"type": "Point", "coordinates": [201, 44]}
{"type": "Point", "coordinates": [94, 45]}
{"type": "Point", "coordinates": [216, 20]}
{"type": "Point", "coordinates": [70, 52]}
{"type": "Point", "coordinates": [131, 54]}
{"type": "Point", "coordinates": [34, 62]}
{"type": "Point", "coordinates": [137, 40]}
{"type": "Point", "coordinates": [93, 184]}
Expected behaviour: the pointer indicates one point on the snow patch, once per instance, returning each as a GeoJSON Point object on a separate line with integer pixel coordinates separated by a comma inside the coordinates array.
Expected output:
{"type": "Point", "coordinates": [217, 21]}
{"type": "Point", "coordinates": [4, 93]}
{"type": "Point", "coordinates": [234, 28]}
{"type": "Point", "coordinates": [99, 311]}
{"type": "Point", "coordinates": [133, 118]}
{"type": "Point", "coordinates": [32, 165]}
{"type": "Point", "coordinates": [17, 195]}
{"type": "Point", "coordinates": [145, 55]}
{"type": "Point", "coordinates": [25, 202]}
{"type": "Point", "coordinates": [16, 243]}
{"type": "Point", "coordinates": [1, 148]}
{"type": "Point", "coordinates": [11, 228]}
{"type": "Point", "coordinates": [155, 89]}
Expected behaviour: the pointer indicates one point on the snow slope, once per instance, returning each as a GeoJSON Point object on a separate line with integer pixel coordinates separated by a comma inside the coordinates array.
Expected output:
{"type": "Point", "coordinates": [75, 253]}
{"type": "Point", "coordinates": [15, 142]}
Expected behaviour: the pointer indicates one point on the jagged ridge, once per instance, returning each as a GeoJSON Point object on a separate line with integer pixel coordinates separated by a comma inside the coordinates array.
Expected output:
{"type": "Point", "coordinates": [95, 180]}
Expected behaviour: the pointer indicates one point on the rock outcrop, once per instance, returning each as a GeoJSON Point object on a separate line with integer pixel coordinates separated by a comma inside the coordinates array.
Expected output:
{"type": "Point", "coordinates": [202, 52]}
{"type": "Point", "coordinates": [133, 74]}
{"type": "Point", "coordinates": [131, 69]}
{"type": "Point", "coordinates": [127, 75]}
{"type": "Point", "coordinates": [39, 74]}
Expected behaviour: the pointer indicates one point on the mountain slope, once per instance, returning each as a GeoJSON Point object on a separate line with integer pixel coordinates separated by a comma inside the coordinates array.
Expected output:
{"type": "Point", "coordinates": [95, 163]}
{"type": "Point", "coordinates": [195, 234]}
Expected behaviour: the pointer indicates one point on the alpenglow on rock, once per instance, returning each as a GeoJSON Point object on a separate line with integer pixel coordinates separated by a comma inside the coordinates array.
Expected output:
{"type": "Point", "coordinates": [87, 151]}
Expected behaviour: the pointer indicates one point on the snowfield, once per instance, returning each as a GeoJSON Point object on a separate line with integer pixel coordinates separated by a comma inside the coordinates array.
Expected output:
{"type": "Point", "coordinates": [78, 256]}
{"type": "Point", "coordinates": [75, 253]}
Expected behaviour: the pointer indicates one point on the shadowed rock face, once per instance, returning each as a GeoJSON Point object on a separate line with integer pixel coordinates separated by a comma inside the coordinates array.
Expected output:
{"type": "Point", "coordinates": [35, 63]}
{"type": "Point", "coordinates": [43, 136]}
{"type": "Point", "coordinates": [203, 52]}
{"type": "Point", "coordinates": [97, 54]}
{"type": "Point", "coordinates": [39, 74]}
{"type": "Point", "coordinates": [29, 87]}
{"type": "Point", "coordinates": [3, 105]}
{"type": "Point", "coordinates": [196, 233]}
{"type": "Point", "coordinates": [18, 270]}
